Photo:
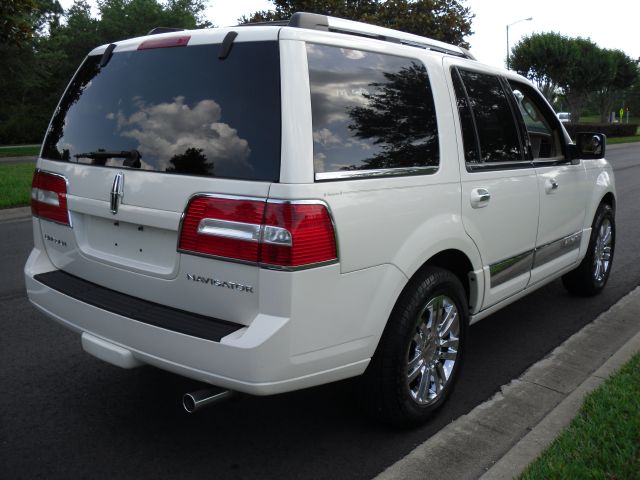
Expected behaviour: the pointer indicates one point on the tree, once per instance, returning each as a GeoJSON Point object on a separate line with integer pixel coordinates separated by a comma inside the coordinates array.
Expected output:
{"type": "Point", "coordinates": [623, 73]}
{"type": "Point", "coordinates": [38, 67]}
{"type": "Point", "coordinates": [445, 20]}
{"type": "Point", "coordinates": [574, 67]}
{"type": "Point", "coordinates": [400, 118]}
{"type": "Point", "coordinates": [542, 58]}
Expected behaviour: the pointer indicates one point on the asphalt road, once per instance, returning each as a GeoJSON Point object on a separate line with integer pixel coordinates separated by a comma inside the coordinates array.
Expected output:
{"type": "Point", "coordinates": [64, 414]}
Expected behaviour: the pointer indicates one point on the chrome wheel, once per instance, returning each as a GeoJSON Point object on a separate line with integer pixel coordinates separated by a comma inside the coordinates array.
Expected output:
{"type": "Point", "coordinates": [602, 254]}
{"type": "Point", "coordinates": [433, 349]}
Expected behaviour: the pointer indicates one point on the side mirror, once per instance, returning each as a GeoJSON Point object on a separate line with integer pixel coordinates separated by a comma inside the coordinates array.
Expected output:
{"type": "Point", "coordinates": [589, 146]}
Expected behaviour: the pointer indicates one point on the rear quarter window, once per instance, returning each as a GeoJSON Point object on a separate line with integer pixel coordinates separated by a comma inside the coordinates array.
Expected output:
{"type": "Point", "coordinates": [372, 114]}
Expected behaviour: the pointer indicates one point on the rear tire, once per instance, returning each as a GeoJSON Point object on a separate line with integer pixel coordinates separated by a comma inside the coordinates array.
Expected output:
{"type": "Point", "coordinates": [420, 353]}
{"type": "Point", "coordinates": [593, 272]}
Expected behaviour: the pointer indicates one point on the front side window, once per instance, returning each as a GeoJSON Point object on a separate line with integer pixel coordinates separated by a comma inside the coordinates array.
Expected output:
{"type": "Point", "coordinates": [493, 119]}
{"type": "Point", "coordinates": [370, 111]}
{"type": "Point", "coordinates": [175, 110]}
{"type": "Point", "coordinates": [543, 131]}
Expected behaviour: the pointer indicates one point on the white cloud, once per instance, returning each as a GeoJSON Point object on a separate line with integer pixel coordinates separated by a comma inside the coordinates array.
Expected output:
{"type": "Point", "coordinates": [169, 129]}
{"type": "Point", "coordinates": [325, 137]}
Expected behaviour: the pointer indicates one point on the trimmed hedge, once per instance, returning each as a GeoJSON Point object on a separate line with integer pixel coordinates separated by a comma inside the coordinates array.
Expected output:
{"type": "Point", "coordinates": [609, 129]}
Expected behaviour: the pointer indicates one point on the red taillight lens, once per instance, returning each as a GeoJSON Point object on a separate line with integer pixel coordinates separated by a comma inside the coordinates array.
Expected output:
{"type": "Point", "coordinates": [309, 230]}
{"type": "Point", "coordinates": [223, 227]}
{"type": "Point", "coordinates": [49, 197]}
{"type": "Point", "coordinates": [275, 234]}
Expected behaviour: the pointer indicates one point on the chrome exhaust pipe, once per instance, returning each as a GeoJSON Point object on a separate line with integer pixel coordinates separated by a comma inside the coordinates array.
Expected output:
{"type": "Point", "coordinates": [201, 398]}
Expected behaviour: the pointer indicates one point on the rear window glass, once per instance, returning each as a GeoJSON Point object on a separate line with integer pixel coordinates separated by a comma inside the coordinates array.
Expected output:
{"type": "Point", "coordinates": [175, 110]}
{"type": "Point", "coordinates": [370, 111]}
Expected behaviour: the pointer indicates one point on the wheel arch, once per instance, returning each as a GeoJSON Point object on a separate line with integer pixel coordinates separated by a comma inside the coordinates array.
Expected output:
{"type": "Point", "coordinates": [460, 264]}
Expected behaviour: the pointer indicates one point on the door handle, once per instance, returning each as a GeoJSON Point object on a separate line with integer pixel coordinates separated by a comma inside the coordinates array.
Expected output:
{"type": "Point", "coordinates": [480, 197]}
{"type": "Point", "coordinates": [551, 185]}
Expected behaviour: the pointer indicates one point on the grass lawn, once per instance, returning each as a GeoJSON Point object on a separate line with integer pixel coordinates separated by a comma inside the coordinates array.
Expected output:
{"type": "Point", "coordinates": [603, 441]}
{"type": "Point", "coordinates": [20, 151]}
{"type": "Point", "coordinates": [15, 184]}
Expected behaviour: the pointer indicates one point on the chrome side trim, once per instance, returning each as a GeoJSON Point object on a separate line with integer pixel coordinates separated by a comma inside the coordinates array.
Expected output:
{"type": "Point", "coordinates": [555, 249]}
{"type": "Point", "coordinates": [510, 268]}
{"type": "Point", "coordinates": [375, 173]}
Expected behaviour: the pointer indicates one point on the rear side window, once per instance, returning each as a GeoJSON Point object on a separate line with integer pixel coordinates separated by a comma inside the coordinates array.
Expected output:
{"type": "Point", "coordinates": [175, 110]}
{"type": "Point", "coordinates": [371, 112]}
{"type": "Point", "coordinates": [492, 117]}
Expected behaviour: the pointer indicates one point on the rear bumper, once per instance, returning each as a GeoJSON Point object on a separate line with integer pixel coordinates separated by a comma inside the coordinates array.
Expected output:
{"type": "Point", "coordinates": [259, 359]}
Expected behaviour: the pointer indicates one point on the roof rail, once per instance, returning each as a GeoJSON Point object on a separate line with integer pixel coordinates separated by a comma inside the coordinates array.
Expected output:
{"type": "Point", "coordinates": [316, 21]}
{"type": "Point", "coordinates": [157, 30]}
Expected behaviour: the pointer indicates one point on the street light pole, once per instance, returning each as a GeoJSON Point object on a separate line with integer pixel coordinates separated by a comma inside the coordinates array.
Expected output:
{"type": "Point", "coordinates": [511, 24]}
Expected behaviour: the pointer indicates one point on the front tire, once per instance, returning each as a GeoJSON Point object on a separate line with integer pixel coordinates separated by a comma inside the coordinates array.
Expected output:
{"type": "Point", "coordinates": [593, 272]}
{"type": "Point", "coordinates": [420, 353]}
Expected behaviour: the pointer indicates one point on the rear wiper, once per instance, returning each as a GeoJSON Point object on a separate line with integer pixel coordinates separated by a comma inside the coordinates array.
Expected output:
{"type": "Point", "coordinates": [132, 157]}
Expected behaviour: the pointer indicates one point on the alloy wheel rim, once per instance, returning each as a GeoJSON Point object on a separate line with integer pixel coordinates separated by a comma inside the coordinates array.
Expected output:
{"type": "Point", "coordinates": [603, 249]}
{"type": "Point", "coordinates": [433, 350]}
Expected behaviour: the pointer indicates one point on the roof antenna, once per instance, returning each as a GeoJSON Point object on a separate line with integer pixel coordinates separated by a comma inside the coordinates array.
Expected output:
{"type": "Point", "coordinates": [227, 43]}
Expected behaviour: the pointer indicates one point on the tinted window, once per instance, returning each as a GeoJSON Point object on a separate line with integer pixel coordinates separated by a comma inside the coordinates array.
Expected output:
{"type": "Point", "coordinates": [471, 151]}
{"type": "Point", "coordinates": [182, 109]}
{"type": "Point", "coordinates": [370, 111]}
{"type": "Point", "coordinates": [494, 120]}
{"type": "Point", "coordinates": [542, 129]}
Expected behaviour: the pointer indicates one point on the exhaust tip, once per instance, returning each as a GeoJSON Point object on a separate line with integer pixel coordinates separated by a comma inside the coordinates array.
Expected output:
{"type": "Point", "coordinates": [193, 401]}
{"type": "Point", "coordinates": [189, 403]}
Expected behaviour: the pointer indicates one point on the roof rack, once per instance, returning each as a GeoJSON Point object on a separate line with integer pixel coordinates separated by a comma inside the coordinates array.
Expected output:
{"type": "Point", "coordinates": [326, 23]}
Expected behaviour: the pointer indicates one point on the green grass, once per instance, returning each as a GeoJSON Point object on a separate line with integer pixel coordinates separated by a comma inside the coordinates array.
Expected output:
{"type": "Point", "coordinates": [15, 184]}
{"type": "Point", "coordinates": [20, 151]}
{"type": "Point", "coordinates": [603, 441]}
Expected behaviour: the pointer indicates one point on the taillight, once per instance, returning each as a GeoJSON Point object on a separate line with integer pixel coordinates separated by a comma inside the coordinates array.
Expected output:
{"type": "Point", "coordinates": [49, 197]}
{"type": "Point", "coordinates": [297, 234]}
{"type": "Point", "coordinates": [271, 233]}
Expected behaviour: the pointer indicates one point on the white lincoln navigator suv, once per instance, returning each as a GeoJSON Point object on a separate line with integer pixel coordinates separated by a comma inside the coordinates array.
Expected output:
{"type": "Point", "coordinates": [272, 207]}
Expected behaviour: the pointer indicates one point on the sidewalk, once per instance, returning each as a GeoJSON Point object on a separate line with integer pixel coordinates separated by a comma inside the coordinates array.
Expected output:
{"type": "Point", "coordinates": [16, 160]}
{"type": "Point", "coordinates": [500, 437]}
{"type": "Point", "coordinates": [14, 213]}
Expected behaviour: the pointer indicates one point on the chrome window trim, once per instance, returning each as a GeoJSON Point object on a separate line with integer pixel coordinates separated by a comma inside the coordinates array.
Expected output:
{"type": "Point", "coordinates": [376, 173]}
{"type": "Point", "coordinates": [511, 165]}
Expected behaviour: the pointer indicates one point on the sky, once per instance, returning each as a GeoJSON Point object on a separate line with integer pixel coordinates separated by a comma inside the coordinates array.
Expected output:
{"type": "Point", "coordinates": [609, 24]}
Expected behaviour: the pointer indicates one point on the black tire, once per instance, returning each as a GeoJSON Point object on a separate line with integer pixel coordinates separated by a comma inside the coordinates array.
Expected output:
{"type": "Point", "coordinates": [387, 390]}
{"type": "Point", "coordinates": [593, 272]}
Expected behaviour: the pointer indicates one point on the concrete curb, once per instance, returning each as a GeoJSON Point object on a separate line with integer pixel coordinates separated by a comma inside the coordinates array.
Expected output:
{"type": "Point", "coordinates": [533, 444]}
{"type": "Point", "coordinates": [14, 213]}
{"type": "Point", "coordinates": [500, 437]}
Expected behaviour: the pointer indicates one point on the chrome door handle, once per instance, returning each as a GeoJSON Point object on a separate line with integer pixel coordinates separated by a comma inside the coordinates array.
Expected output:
{"type": "Point", "coordinates": [480, 197]}
{"type": "Point", "coordinates": [551, 185]}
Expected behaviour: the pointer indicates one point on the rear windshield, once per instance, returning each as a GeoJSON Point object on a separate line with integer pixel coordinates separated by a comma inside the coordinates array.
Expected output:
{"type": "Point", "coordinates": [175, 110]}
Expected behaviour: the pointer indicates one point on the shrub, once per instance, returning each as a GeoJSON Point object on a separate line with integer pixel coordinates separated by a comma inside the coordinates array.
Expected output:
{"type": "Point", "coordinates": [609, 129]}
